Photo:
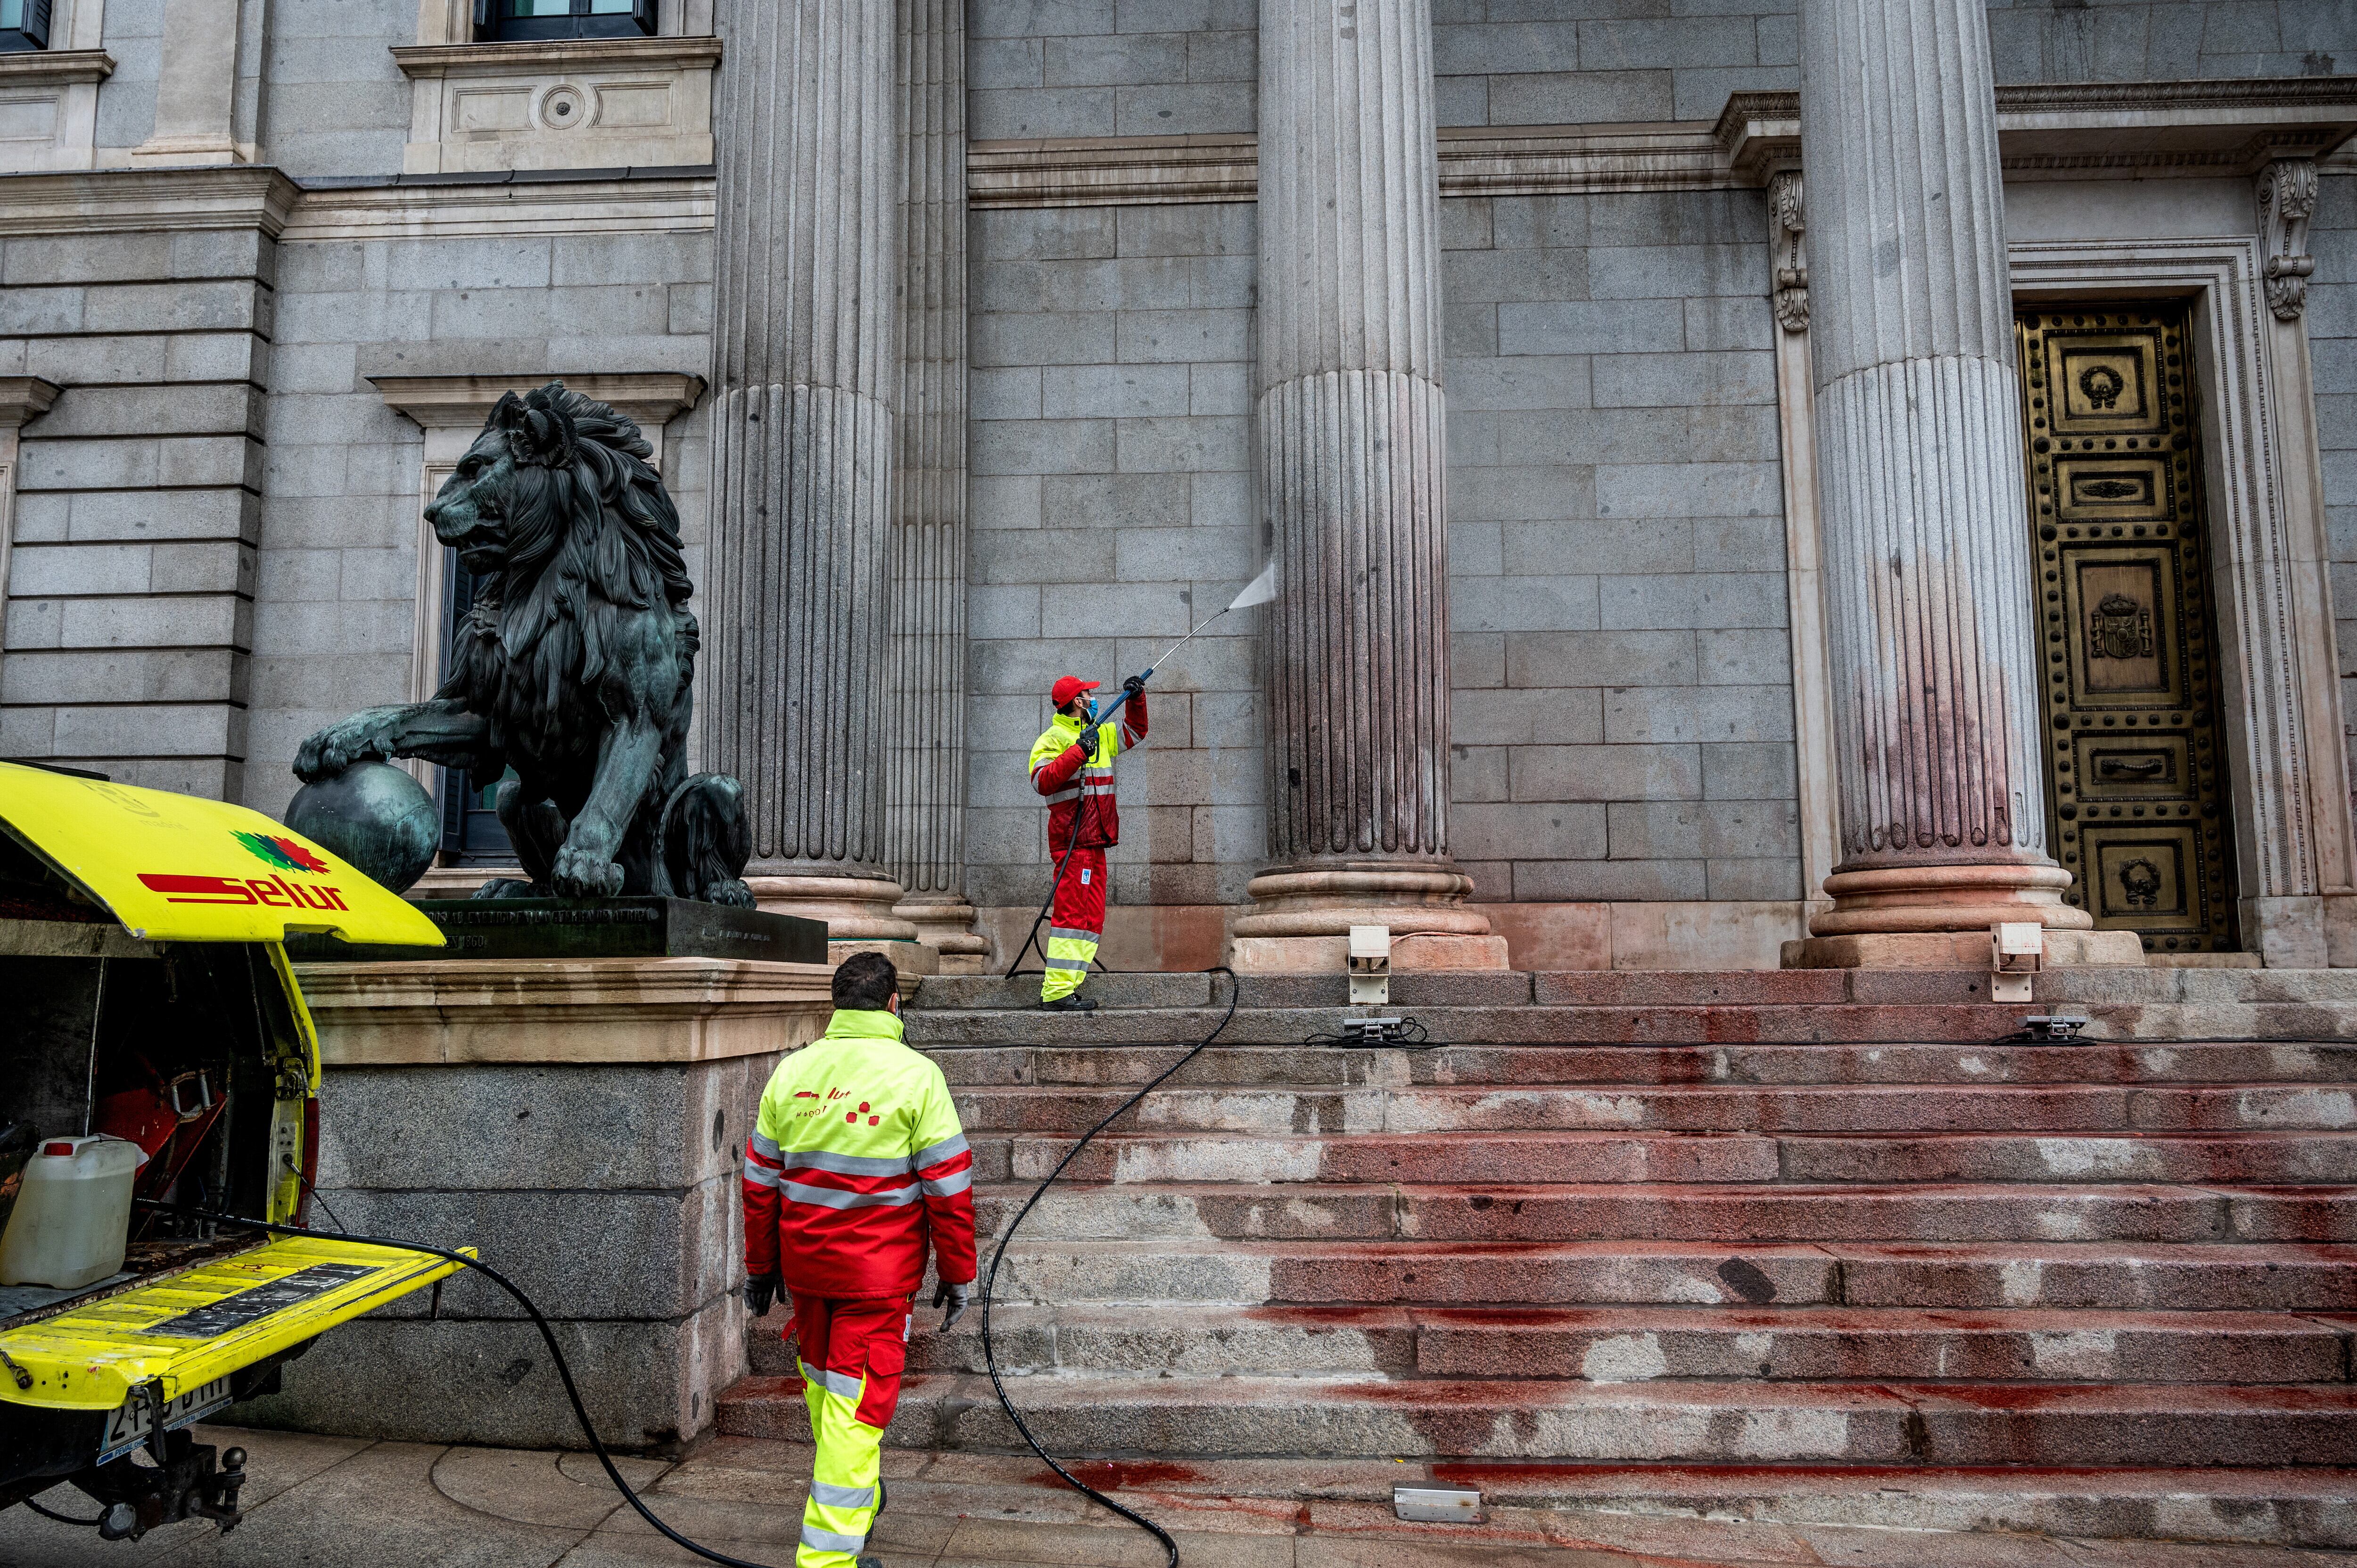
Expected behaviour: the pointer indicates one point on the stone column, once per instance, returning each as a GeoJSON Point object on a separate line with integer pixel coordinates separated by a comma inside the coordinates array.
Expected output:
{"type": "Point", "coordinates": [207, 89]}
{"type": "Point", "coordinates": [925, 792]}
{"type": "Point", "coordinates": [1937, 740]}
{"type": "Point", "coordinates": [806, 367]}
{"type": "Point", "coordinates": [1352, 421]}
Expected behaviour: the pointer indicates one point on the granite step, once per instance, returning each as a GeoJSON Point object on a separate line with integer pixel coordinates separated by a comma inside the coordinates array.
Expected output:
{"type": "Point", "coordinates": [1331, 1066]}
{"type": "Point", "coordinates": [1848, 1108]}
{"type": "Point", "coordinates": [1704, 1421]}
{"type": "Point", "coordinates": [1530, 1158]}
{"type": "Point", "coordinates": [1631, 1344]}
{"type": "Point", "coordinates": [1960, 1275]}
{"type": "Point", "coordinates": [1664, 988]}
{"type": "Point", "coordinates": [1698, 1211]}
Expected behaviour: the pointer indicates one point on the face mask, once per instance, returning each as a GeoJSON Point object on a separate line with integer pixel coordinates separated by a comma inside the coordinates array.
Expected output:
{"type": "Point", "coordinates": [1088, 714]}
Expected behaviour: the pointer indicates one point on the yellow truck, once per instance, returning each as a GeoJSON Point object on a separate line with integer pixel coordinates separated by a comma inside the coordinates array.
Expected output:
{"type": "Point", "coordinates": [146, 994]}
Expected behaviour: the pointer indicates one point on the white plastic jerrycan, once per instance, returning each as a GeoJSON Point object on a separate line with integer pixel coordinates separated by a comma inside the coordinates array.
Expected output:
{"type": "Point", "coordinates": [73, 1219]}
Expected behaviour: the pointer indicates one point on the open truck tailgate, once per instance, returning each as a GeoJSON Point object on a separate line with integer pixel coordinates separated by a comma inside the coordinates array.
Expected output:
{"type": "Point", "coordinates": [191, 1328]}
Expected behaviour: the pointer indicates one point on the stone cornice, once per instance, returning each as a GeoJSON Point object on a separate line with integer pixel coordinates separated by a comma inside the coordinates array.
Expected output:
{"type": "Point", "coordinates": [115, 201]}
{"type": "Point", "coordinates": [34, 67]}
{"type": "Point", "coordinates": [1111, 171]}
{"type": "Point", "coordinates": [446, 403]}
{"type": "Point", "coordinates": [2069, 130]}
{"type": "Point", "coordinates": [2096, 129]}
{"type": "Point", "coordinates": [516, 206]}
{"type": "Point", "coordinates": [25, 397]}
{"type": "Point", "coordinates": [552, 54]}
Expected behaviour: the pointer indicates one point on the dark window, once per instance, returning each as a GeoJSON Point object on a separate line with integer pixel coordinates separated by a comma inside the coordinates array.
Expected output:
{"type": "Point", "coordinates": [23, 25]}
{"type": "Point", "coordinates": [513, 20]}
{"type": "Point", "coordinates": [471, 834]}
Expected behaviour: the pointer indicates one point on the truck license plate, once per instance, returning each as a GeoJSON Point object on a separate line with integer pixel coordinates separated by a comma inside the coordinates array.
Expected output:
{"type": "Point", "coordinates": [132, 1422]}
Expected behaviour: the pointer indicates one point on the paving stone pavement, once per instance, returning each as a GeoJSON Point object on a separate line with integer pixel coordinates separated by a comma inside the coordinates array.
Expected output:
{"type": "Point", "coordinates": [332, 1501]}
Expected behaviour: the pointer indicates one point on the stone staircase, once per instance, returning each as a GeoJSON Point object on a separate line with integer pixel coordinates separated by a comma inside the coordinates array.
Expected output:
{"type": "Point", "coordinates": [1746, 1236]}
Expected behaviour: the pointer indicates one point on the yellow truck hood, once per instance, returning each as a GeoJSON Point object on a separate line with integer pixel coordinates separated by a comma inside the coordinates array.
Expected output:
{"type": "Point", "coordinates": [175, 869]}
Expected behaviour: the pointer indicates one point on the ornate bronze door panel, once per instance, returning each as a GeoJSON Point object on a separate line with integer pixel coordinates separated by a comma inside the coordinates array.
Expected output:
{"type": "Point", "coordinates": [2139, 792]}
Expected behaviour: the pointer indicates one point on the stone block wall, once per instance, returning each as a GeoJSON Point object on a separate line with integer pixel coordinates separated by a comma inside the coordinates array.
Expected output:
{"type": "Point", "coordinates": [1110, 68]}
{"type": "Point", "coordinates": [130, 621]}
{"type": "Point", "coordinates": [328, 73]}
{"type": "Point", "coordinates": [1111, 505]}
{"type": "Point", "coordinates": [609, 1194]}
{"type": "Point", "coordinates": [1623, 722]}
{"type": "Point", "coordinates": [337, 601]}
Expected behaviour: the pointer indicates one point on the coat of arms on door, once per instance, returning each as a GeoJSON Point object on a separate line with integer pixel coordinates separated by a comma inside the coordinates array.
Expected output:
{"type": "Point", "coordinates": [2119, 628]}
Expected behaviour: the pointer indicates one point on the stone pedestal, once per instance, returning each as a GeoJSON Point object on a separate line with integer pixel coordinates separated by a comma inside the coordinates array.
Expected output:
{"type": "Point", "coordinates": [1938, 748]}
{"type": "Point", "coordinates": [944, 923]}
{"type": "Point", "coordinates": [583, 1125]}
{"type": "Point", "coordinates": [1352, 458]}
{"type": "Point", "coordinates": [862, 915]}
{"type": "Point", "coordinates": [1301, 920]}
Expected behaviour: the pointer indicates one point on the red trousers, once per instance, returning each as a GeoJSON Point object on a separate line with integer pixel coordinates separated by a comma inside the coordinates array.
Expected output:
{"type": "Point", "coordinates": [1078, 924]}
{"type": "Point", "coordinates": [854, 1340]}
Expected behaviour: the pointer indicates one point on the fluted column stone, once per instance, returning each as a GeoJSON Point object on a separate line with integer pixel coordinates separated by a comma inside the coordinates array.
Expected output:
{"type": "Point", "coordinates": [806, 369]}
{"type": "Point", "coordinates": [1351, 438]}
{"type": "Point", "coordinates": [924, 820]}
{"type": "Point", "coordinates": [1938, 748]}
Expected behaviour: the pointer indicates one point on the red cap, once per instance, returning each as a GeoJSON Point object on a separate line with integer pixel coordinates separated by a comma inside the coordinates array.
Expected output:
{"type": "Point", "coordinates": [1068, 688]}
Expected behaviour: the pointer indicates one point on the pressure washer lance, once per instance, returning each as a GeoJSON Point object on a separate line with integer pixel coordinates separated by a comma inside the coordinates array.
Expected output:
{"type": "Point", "coordinates": [1259, 591]}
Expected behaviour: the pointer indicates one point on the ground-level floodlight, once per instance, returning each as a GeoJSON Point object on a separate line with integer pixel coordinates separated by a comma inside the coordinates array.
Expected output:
{"type": "Point", "coordinates": [2016, 949]}
{"type": "Point", "coordinates": [1370, 965]}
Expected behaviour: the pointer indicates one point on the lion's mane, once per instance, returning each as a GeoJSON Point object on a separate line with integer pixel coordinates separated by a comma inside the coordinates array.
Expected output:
{"type": "Point", "coordinates": [592, 551]}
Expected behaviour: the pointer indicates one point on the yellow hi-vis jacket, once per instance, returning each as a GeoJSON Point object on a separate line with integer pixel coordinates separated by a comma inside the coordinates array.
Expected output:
{"type": "Point", "coordinates": [1078, 786]}
{"type": "Point", "coordinates": [856, 1158]}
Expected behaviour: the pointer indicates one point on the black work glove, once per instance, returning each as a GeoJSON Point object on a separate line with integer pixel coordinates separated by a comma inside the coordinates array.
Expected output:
{"type": "Point", "coordinates": [1135, 686]}
{"type": "Point", "coordinates": [761, 1294]}
{"type": "Point", "coordinates": [957, 1298]}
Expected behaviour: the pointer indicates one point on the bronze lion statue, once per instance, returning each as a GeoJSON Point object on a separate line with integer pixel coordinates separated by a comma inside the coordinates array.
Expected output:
{"type": "Point", "coordinates": [572, 668]}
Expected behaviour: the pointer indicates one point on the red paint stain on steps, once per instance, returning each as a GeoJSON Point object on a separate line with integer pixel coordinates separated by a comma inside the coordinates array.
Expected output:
{"type": "Point", "coordinates": [1118, 1474]}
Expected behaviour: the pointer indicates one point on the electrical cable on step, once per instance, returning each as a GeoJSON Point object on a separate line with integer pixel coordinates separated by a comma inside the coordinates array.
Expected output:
{"type": "Point", "coordinates": [990, 1281]}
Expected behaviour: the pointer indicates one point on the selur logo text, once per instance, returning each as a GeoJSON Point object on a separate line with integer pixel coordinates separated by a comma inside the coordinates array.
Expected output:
{"type": "Point", "coordinates": [273, 891]}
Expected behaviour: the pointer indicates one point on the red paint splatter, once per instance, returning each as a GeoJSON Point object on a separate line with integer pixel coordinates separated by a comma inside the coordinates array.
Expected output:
{"type": "Point", "coordinates": [1113, 1474]}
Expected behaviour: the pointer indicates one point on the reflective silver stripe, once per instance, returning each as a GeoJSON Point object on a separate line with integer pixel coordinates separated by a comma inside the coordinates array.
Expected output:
{"type": "Point", "coordinates": [1065, 934]}
{"type": "Point", "coordinates": [948, 1185]}
{"type": "Point", "coordinates": [1062, 795]}
{"type": "Point", "coordinates": [819, 1540]}
{"type": "Point", "coordinates": [838, 1383]}
{"type": "Point", "coordinates": [760, 1176]}
{"type": "Point", "coordinates": [844, 1165]}
{"type": "Point", "coordinates": [764, 1147]}
{"type": "Point", "coordinates": [835, 1198]}
{"type": "Point", "coordinates": [826, 1494]}
{"type": "Point", "coordinates": [955, 1144]}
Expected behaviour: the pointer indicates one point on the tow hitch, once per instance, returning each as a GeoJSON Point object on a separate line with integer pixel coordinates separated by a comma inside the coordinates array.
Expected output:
{"type": "Point", "coordinates": [182, 1484]}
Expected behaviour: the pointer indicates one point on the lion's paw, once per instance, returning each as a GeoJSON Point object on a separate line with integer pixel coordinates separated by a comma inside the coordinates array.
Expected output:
{"type": "Point", "coordinates": [331, 750]}
{"type": "Point", "coordinates": [583, 874]}
{"type": "Point", "coordinates": [733, 893]}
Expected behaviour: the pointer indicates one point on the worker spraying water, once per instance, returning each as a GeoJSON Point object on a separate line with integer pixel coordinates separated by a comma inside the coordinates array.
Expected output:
{"type": "Point", "coordinates": [1071, 764]}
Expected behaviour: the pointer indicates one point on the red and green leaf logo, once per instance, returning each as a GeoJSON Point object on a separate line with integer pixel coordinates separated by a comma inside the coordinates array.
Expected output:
{"type": "Point", "coordinates": [286, 854]}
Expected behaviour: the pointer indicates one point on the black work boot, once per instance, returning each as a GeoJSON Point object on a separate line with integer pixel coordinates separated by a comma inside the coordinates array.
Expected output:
{"type": "Point", "coordinates": [1074, 1004]}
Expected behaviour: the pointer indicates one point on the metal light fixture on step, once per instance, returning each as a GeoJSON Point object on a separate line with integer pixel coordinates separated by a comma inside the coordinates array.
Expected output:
{"type": "Point", "coordinates": [1370, 965]}
{"type": "Point", "coordinates": [2016, 949]}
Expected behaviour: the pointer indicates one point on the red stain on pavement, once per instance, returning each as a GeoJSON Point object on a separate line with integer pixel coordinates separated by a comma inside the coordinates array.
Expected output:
{"type": "Point", "coordinates": [1117, 1475]}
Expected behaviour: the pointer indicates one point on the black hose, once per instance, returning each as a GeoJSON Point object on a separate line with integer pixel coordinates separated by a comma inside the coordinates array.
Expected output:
{"type": "Point", "coordinates": [65, 1519]}
{"type": "Point", "coordinates": [548, 1335]}
{"type": "Point", "coordinates": [1055, 882]}
{"type": "Point", "coordinates": [990, 1281]}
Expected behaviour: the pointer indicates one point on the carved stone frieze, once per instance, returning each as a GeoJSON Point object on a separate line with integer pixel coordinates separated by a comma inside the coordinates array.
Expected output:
{"type": "Point", "coordinates": [2286, 200]}
{"type": "Point", "coordinates": [1787, 249]}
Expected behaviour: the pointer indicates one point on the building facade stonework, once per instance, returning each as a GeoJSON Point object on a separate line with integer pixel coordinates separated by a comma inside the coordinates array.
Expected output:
{"type": "Point", "coordinates": [1876, 463]}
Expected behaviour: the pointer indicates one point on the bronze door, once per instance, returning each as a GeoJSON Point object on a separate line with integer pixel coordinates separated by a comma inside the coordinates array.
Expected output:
{"type": "Point", "coordinates": [2137, 788]}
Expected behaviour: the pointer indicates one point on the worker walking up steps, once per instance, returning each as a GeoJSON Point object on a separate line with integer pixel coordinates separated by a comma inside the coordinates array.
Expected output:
{"type": "Point", "coordinates": [855, 1164]}
{"type": "Point", "coordinates": [1071, 764]}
